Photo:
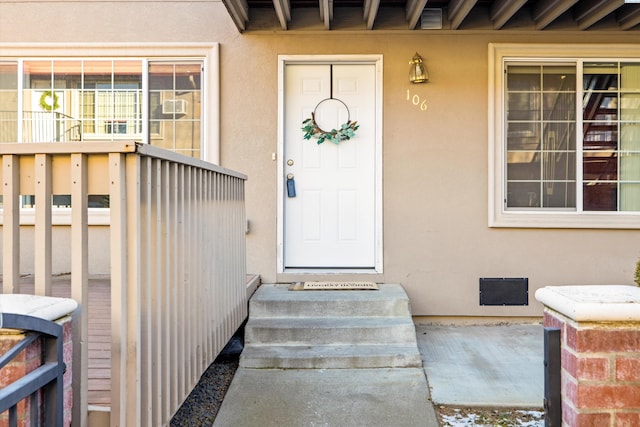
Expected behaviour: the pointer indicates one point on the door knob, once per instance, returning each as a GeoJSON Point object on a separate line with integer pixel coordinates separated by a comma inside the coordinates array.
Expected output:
{"type": "Point", "coordinates": [290, 176]}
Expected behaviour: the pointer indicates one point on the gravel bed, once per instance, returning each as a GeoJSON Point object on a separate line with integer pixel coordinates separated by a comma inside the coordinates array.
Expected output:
{"type": "Point", "coordinates": [201, 406]}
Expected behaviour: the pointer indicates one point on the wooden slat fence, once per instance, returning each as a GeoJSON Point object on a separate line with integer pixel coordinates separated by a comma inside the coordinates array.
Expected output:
{"type": "Point", "coordinates": [178, 270]}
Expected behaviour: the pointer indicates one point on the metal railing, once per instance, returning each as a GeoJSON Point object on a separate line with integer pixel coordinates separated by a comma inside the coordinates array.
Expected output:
{"type": "Point", "coordinates": [46, 378]}
{"type": "Point", "coordinates": [40, 126]}
{"type": "Point", "coordinates": [178, 270]}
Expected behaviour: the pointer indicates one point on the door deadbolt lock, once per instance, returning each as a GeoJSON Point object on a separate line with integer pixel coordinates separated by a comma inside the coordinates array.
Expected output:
{"type": "Point", "coordinates": [290, 162]}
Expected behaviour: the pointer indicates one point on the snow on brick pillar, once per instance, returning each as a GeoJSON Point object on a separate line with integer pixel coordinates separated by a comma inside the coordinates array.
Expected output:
{"type": "Point", "coordinates": [600, 344]}
{"type": "Point", "coordinates": [58, 310]}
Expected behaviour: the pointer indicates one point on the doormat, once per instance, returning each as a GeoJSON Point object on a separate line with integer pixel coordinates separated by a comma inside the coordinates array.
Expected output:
{"type": "Point", "coordinates": [334, 286]}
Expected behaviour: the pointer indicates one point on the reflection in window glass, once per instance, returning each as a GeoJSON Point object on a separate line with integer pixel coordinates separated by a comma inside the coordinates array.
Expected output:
{"type": "Point", "coordinates": [99, 99]}
{"type": "Point", "coordinates": [541, 140]}
{"type": "Point", "coordinates": [74, 100]}
{"type": "Point", "coordinates": [175, 106]}
{"type": "Point", "coordinates": [102, 99]}
{"type": "Point", "coordinates": [630, 137]}
{"type": "Point", "coordinates": [600, 130]}
{"type": "Point", "coordinates": [541, 136]}
{"type": "Point", "coordinates": [611, 159]}
{"type": "Point", "coordinates": [64, 201]}
{"type": "Point", "coordinates": [8, 101]}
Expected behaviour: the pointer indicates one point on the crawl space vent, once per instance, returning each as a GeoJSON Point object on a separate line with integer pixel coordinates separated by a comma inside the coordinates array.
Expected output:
{"type": "Point", "coordinates": [504, 291]}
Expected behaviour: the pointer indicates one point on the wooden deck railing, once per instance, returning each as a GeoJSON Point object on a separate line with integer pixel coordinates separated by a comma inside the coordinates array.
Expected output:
{"type": "Point", "coordinates": [177, 254]}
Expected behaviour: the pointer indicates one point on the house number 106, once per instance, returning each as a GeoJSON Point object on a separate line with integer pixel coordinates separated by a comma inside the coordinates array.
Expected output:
{"type": "Point", "coordinates": [415, 100]}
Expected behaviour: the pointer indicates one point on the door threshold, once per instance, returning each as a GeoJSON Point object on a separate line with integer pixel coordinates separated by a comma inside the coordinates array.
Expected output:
{"type": "Point", "coordinates": [333, 271]}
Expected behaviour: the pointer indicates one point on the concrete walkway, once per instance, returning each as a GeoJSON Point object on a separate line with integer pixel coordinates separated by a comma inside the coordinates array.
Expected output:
{"type": "Point", "coordinates": [484, 366]}
{"type": "Point", "coordinates": [327, 397]}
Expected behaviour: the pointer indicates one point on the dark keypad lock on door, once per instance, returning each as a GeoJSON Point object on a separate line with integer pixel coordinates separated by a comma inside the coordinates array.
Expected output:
{"type": "Point", "coordinates": [291, 186]}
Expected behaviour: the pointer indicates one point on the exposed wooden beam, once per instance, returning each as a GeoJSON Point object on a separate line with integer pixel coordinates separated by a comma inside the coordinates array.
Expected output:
{"type": "Point", "coordinates": [585, 13]}
{"type": "Point", "coordinates": [458, 10]}
{"type": "Point", "coordinates": [239, 12]}
{"type": "Point", "coordinates": [283, 12]}
{"type": "Point", "coordinates": [366, 7]}
{"type": "Point", "coordinates": [590, 12]}
{"type": "Point", "coordinates": [628, 17]}
{"type": "Point", "coordinates": [326, 13]}
{"type": "Point", "coordinates": [371, 11]}
{"type": "Point", "coordinates": [547, 11]}
{"type": "Point", "coordinates": [503, 10]}
{"type": "Point", "coordinates": [414, 11]}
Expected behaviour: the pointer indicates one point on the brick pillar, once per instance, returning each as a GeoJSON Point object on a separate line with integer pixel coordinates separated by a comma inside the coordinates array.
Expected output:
{"type": "Point", "coordinates": [67, 352]}
{"type": "Point", "coordinates": [600, 344]}
{"type": "Point", "coordinates": [27, 361]}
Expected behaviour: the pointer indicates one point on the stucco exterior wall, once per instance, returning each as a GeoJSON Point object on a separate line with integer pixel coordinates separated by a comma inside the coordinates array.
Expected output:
{"type": "Point", "coordinates": [437, 242]}
{"type": "Point", "coordinates": [99, 241]}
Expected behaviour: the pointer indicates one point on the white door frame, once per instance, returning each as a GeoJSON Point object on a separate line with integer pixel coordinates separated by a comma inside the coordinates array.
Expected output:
{"type": "Point", "coordinates": [283, 60]}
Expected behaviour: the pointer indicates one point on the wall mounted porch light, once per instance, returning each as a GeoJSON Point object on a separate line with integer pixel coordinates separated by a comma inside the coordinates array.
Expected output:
{"type": "Point", "coordinates": [418, 72]}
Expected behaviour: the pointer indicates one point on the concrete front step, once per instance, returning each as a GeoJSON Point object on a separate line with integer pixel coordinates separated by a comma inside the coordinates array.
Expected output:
{"type": "Point", "coordinates": [279, 301]}
{"type": "Point", "coordinates": [331, 357]}
{"type": "Point", "coordinates": [332, 330]}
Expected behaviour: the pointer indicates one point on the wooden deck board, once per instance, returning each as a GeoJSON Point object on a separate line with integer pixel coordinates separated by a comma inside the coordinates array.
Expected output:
{"type": "Point", "coordinates": [99, 346]}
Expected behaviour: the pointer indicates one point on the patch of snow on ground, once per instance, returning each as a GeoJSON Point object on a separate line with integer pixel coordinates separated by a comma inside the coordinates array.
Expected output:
{"type": "Point", "coordinates": [460, 420]}
{"type": "Point", "coordinates": [468, 419]}
{"type": "Point", "coordinates": [538, 420]}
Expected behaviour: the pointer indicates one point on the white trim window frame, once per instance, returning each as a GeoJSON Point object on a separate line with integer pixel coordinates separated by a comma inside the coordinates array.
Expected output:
{"type": "Point", "coordinates": [179, 52]}
{"type": "Point", "coordinates": [571, 215]}
{"type": "Point", "coordinates": [207, 53]}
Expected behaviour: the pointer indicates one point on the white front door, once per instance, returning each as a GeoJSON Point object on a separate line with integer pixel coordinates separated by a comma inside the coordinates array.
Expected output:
{"type": "Point", "coordinates": [331, 221]}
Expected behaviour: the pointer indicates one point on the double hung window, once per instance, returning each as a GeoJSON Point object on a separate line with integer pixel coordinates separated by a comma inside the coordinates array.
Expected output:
{"type": "Point", "coordinates": [566, 141]}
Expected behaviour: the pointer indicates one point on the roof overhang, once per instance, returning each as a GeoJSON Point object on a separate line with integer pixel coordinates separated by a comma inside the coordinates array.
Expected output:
{"type": "Point", "coordinates": [457, 15]}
